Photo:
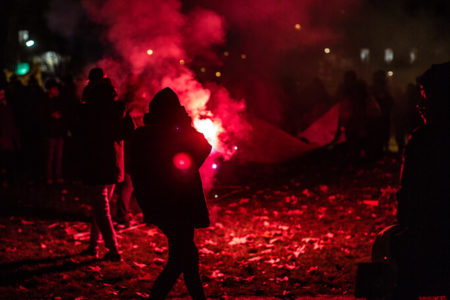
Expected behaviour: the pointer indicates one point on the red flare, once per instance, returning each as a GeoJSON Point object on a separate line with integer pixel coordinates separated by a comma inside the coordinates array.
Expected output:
{"type": "Point", "coordinates": [182, 161]}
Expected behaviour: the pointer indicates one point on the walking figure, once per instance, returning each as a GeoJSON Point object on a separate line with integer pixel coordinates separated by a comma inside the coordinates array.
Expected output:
{"type": "Point", "coordinates": [166, 156]}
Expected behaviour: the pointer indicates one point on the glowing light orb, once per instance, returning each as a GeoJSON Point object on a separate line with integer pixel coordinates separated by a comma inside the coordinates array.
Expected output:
{"type": "Point", "coordinates": [202, 69]}
{"type": "Point", "coordinates": [243, 56]}
{"type": "Point", "coordinates": [182, 161]}
{"type": "Point", "coordinates": [149, 52]}
{"type": "Point", "coordinates": [30, 43]}
{"type": "Point", "coordinates": [209, 130]}
{"type": "Point", "coordinates": [298, 26]}
{"type": "Point", "coordinates": [216, 196]}
{"type": "Point", "coordinates": [235, 147]}
{"type": "Point", "coordinates": [182, 62]}
{"type": "Point", "coordinates": [226, 53]}
{"type": "Point", "coordinates": [218, 74]}
{"type": "Point", "coordinates": [327, 50]}
{"type": "Point", "coordinates": [214, 166]}
{"type": "Point", "coordinates": [390, 73]}
{"type": "Point", "coordinates": [22, 68]}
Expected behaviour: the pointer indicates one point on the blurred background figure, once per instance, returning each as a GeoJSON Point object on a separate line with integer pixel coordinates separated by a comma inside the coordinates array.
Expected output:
{"type": "Point", "coordinates": [406, 115]}
{"type": "Point", "coordinates": [132, 120]}
{"type": "Point", "coordinates": [34, 135]}
{"type": "Point", "coordinates": [55, 118]}
{"type": "Point", "coordinates": [380, 92]}
{"type": "Point", "coordinates": [72, 144]}
{"type": "Point", "coordinates": [352, 95]}
{"type": "Point", "coordinates": [9, 138]}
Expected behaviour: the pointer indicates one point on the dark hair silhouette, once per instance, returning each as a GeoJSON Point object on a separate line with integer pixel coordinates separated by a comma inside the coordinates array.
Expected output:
{"type": "Point", "coordinates": [96, 74]}
{"type": "Point", "coordinates": [435, 83]}
{"type": "Point", "coordinates": [164, 101]}
{"type": "Point", "coordinates": [165, 109]}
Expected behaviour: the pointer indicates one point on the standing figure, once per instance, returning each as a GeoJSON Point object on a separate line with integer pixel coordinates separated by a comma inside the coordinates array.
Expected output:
{"type": "Point", "coordinates": [379, 91]}
{"type": "Point", "coordinates": [102, 117]}
{"type": "Point", "coordinates": [9, 141]}
{"type": "Point", "coordinates": [406, 117]}
{"type": "Point", "coordinates": [125, 189]}
{"type": "Point", "coordinates": [422, 249]}
{"type": "Point", "coordinates": [56, 129]}
{"type": "Point", "coordinates": [166, 156]}
{"type": "Point", "coordinates": [352, 95]}
{"type": "Point", "coordinates": [34, 130]}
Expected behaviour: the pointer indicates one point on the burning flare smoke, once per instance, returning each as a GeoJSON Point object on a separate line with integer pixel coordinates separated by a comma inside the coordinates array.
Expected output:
{"type": "Point", "coordinates": [154, 44]}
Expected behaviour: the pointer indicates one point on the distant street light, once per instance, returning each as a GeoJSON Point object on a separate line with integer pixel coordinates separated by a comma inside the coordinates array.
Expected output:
{"type": "Point", "coordinates": [22, 68]}
{"type": "Point", "coordinates": [29, 43]}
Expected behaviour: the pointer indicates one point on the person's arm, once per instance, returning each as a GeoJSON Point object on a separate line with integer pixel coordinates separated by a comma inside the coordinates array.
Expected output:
{"type": "Point", "coordinates": [409, 184]}
{"type": "Point", "coordinates": [127, 126]}
{"type": "Point", "coordinates": [202, 149]}
{"type": "Point", "coordinates": [195, 142]}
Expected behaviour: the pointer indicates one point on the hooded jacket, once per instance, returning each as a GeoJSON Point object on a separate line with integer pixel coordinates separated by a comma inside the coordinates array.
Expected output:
{"type": "Point", "coordinates": [165, 160]}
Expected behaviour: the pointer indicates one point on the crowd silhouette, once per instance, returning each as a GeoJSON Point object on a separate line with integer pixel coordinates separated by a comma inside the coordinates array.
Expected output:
{"type": "Point", "coordinates": [158, 159]}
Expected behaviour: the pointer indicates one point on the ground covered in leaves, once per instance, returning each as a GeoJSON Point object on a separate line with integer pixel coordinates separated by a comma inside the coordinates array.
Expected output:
{"type": "Point", "coordinates": [292, 233]}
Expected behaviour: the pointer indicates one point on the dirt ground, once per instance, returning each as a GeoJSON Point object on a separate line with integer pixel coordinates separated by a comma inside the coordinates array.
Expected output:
{"type": "Point", "coordinates": [297, 232]}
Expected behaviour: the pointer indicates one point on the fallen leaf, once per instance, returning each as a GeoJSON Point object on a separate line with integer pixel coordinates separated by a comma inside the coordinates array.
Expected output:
{"type": "Point", "coordinates": [139, 265]}
{"type": "Point", "coordinates": [143, 295]}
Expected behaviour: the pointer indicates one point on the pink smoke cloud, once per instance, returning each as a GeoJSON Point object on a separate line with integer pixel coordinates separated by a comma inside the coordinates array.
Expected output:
{"type": "Point", "coordinates": [156, 42]}
{"type": "Point", "coordinates": [164, 43]}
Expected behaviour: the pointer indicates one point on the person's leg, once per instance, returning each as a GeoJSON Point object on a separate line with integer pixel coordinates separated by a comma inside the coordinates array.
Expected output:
{"type": "Point", "coordinates": [95, 236]}
{"type": "Point", "coordinates": [101, 212]}
{"type": "Point", "coordinates": [125, 193]}
{"type": "Point", "coordinates": [93, 191]}
{"type": "Point", "coordinates": [59, 148]}
{"type": "Point", "coordinates": [50, 158]}
{"type": "Point", "coordinates": [4, 168]}
{"type": "Point", "coordinates": [191, 272]}
{"type": "Point", "coordinates": [167, 278]}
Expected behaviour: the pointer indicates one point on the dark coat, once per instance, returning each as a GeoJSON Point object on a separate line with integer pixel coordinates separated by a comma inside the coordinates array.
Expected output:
{"type": "Point", "coordinates": [422, 248]}
{"type": "Point", "coordinates": [101, 120]}
{"type": "Point", "coordinates": [55, 126]}
{"type": "Point", "coordinates": [9, 133]}
{"type": "Point", "coordinates": [424, 196]}
{"type": "Point", "coordinates": [169, 195]}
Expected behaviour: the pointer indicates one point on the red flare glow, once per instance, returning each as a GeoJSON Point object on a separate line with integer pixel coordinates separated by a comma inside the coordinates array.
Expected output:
{"type": "Point", "coordinates": [182, 161]}
{"type": "Point", "coordinates": [209, 129]}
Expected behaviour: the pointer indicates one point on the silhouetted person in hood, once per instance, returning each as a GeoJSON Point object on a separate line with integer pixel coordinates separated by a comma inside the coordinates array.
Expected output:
{"type": "Point", "coordinates": [423, 249]}
{"type": "Point", "coordinates": [166, 156]}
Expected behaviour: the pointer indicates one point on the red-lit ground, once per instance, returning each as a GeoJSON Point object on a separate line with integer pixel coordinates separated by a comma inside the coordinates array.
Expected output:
{"type": "Point", "coordinates": [293, 233]}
